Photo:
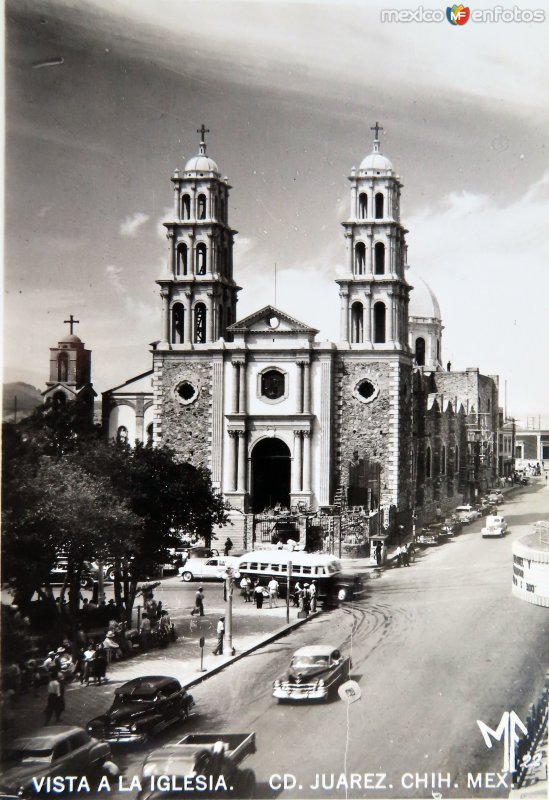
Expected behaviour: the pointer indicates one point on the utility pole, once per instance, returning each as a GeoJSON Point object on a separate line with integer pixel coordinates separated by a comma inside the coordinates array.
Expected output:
{"type": "Point", "coordinates": [229, 583]}
{"type": "Point", "coordinates": [288, 590]}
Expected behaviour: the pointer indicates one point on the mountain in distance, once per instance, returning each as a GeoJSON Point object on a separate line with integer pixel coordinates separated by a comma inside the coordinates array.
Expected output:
{"type": "Point", "coordinates": [28, 398]}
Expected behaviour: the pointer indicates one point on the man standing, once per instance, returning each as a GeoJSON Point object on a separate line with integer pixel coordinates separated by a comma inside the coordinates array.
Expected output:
{"type": "Point", "coordinates": [54, 702]}
{"type": "Point", "coordinates": [220, 636]}
{"type": "Point", "coordinates": [228, 547]}
{"type": "Point", "coordinates": [198, 603]}
{"type": "Point", "coordinates": [272, 586]}
{"type": "Point", "coordinates": [312, 593]}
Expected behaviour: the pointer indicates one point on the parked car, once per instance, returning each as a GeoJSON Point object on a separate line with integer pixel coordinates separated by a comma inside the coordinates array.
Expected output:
{"type": "Point", "coordinates": [496, 526]}
{"type": "Point", "coordinates": [58, 573]}
{"type": "Point", "coordinates": [202, 552]}
{"type": "Point", "coordinates": [313, 673]}
{"type": "Point", "coordinates": [524, 481]}
{"type": "Point", "coordinates": [429, 535]}
{"type": "Point", "coordinates": [496, 497]}
{"type": "Point", "coordinates": [452, 526]}
{"type": "Point", "coordinates": [213, 569]}
{"type": "Point", "coordinates": [466, 514]}
{"type": "Point", "coordinates": [54, 752]}
{"type": "Point", "coordinates": [142, 708]}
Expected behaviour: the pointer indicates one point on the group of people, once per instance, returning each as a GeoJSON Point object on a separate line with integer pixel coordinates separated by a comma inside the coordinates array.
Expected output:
{"type": "Point", "coordinates": [306, 597]}
{"type": "Point", "coordinates": [256, 592]}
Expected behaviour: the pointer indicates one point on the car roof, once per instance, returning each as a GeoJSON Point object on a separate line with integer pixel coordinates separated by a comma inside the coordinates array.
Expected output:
{"type": "Point", "coordinates": [316, 650]}
{"type": "Point", "coordinates": [148, 684]}
{"type": "Point", "coordinates": [47, 738]}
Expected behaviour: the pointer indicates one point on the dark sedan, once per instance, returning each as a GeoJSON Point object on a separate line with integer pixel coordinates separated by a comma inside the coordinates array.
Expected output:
{"type": "Point", "coordinates": [142, 708]}
{"type": "Point", "coordinates": [314, 672]}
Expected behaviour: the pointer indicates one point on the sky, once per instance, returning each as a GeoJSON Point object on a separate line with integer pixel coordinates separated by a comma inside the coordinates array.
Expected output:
{"type": "Point", "coordinates": [103, 100]}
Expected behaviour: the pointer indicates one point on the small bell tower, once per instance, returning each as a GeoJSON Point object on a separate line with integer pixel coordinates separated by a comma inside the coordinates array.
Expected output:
{"type": "Point", "coordinates": [70, 371]}
{"type": "Point", "coordinates": [198, 292]}
{"type": "Point", "coordinates": [374, 292]}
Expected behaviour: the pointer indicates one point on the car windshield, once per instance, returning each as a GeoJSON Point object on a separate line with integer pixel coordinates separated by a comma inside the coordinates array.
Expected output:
{"type": "Point", "coordinates": [27, 755]}
{"type": "Point", "coordinates": [132, 699]}
{"type": "Point", "coordinates": [310, 661]}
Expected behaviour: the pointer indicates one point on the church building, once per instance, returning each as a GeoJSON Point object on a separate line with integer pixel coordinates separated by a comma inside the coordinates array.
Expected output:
{"type": "Point", "coordinates": [281, 420]}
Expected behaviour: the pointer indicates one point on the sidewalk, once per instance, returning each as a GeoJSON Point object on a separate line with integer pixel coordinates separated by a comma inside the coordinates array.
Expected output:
{"type": "Point", "coordinates": [252, 628]}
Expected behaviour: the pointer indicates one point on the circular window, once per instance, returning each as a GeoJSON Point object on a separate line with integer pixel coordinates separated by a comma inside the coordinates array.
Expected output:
{"type": "Point", "coordinates": [273, 322]}
{"type": "Point", "coordinates": [272, 384]}
{"type": "Point", "coordinates": [366, 391]}
{"type": "Point", "coordinates": [186, 393]}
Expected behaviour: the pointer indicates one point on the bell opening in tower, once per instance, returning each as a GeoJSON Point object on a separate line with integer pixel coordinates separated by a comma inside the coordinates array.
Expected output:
{"type": "Point", "coordinates": [271, 473]}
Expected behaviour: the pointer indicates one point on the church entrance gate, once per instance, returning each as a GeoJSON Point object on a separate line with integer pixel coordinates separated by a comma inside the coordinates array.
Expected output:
{"type": "Point", "coordinates": [271, 471]}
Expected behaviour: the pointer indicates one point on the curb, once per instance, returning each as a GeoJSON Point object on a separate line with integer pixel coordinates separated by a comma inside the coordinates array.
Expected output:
{"type": "Point", "coordinates": [272, 637]}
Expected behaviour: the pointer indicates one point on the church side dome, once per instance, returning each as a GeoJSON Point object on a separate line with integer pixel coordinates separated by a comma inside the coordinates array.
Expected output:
{"type": "Point", "coordinates": [201, 163]}
{"type": "Point", "coordinates": [423, 301]}
{"type": "Point", "coordinates": [70, 338]}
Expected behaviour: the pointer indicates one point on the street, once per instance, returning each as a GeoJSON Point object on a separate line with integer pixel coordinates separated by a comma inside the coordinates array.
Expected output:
{"type": "Point", "coordinates": [435, 647]}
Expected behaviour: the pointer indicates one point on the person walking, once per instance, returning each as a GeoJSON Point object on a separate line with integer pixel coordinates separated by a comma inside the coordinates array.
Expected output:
{"type": "Point", "coordinates": [54, 703]}
{"type": "Point", "coordinates": [378, 553]}
{"type": "Point", "coordinates": [198, 603]}
{"type": "Point", "coordinates": [313, 595]}
{"type": "Point", "coordinates": [245, 589]}
{"type": "Point", "coordinates": [88, 663]}
{"type": "Point", "coordinates": [100, 665]}
{"type": "Point", "coordinates": [145, 632]}
{"type": "Point", "coordinates": [220, 636]}
{"type": "Point", "coordinates": [297, 594]}
{"type": "Point", "coordinates": [272, 586]}
{"type": "Point", "coordinates": [306, 598]}
{"type": "Point", "coordinates": [258, 594]}
{"type": "Point", "coordinates": [228, 547]}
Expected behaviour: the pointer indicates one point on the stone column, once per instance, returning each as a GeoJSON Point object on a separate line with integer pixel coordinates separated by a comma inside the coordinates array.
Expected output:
{"type": "Point", "coordinates": [188, 326]}
{"type": "Point", "coordinates": [297, 463]}
{"type": "Point", "coordinates": [242, 396]}
{"type": "Point", "coordinates": [344, 314]}
{"type": "Point", "coordinates": [231, 477]}
{"type": "Point", "coordinates": [353, 201]}
{"type": "Point", "coordinates": [299, 392]}
{"type": "Point", "coordinates": [193, 203]}
{"type": "Point", "coordinates": [234, 391]}
{"type": "Point", "coordinates": [191, 255]}
{"type": "Point", "coordinates": [210, 319]}
{"type": "Point", "coordinates": [306, 461]}
{"type": "Point", "coordinates": [369, 250]}
{"type": "Point", "coordinates": [209, 253]}
{"type": "Point", "coordinates": [390, 334]}
{"type": "Point", "coordinates": [170, 236]}
{"type": "Point", "coordinates": [176, 202]}
{"type": "Point", "coordinates": [165, 295]}
{"type": "Point", "coordinates": [307, 387]}
{"type": "Point", "coordinates": [368, 317]}
{"type": "Point", "coordinates": [350, 252]}
{"type": "Point", "coordinates": [241, 478]}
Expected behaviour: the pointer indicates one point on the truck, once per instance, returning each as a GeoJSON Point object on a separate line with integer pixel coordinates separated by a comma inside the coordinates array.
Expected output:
{"type": "Point", "coordinates": [200, 765]}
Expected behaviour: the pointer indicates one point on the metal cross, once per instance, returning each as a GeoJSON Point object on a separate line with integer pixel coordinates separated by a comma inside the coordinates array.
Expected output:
{"type": "Point", "coordinates": [377, 128]}
{"type": "Point", "coordinates": [202, 130]}
{"type": "Point", "coordinates": [72, 322]}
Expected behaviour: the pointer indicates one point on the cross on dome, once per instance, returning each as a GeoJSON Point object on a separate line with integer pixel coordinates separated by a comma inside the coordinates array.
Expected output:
{"type": "Point", "coordinates": [71, 322]}
{"type": "Point", "coordinates": [202, 131]}
{"type": "Point", "coordinates": [376, 128]}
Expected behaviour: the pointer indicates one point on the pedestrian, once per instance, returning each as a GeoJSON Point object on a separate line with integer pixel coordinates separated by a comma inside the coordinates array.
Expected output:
{"type": "Point", "coordinates": [220, 636]}
{"type": "Point", "coordinates": [198, 603]}
{"type": "Point", "coordinates": [272, 587]}
{"type": "Point", "coordinates": [54, 703]}
{"type": "Point", "coordinates": [245, 589]}
{"type": "Point", "coordinates": [406, 555]}
{"type": "Point", "coordinates": [297, 594]}
{"type": "Point", "coordinates": [100, 665]}
{"type": "Point", "coordinates": [399, 556]}
{"type": "Point", "coordinates": [145, 632]}
{"type": "Point", "coordinates": [438, 513]}
{"type": "Point", "coordinates": [258, 594]}
{"type": "Point", "coordinates": [228, 547]}
{"type": "Point", "coordinates": [306, 598]}
{"type": "Point", "coordinates": [378, 552]}
{"type": "Point", "coordinates": [88, 663]}
{"type": "Point", "coordinates": [313, 595]}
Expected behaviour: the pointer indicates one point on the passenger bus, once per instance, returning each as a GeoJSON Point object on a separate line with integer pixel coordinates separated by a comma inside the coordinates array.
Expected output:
{"type": "Point", "coordinates": [263, 565]}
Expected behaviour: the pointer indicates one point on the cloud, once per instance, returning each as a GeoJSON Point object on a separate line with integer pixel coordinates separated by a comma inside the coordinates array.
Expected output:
{"type": "Point", "coordinates": [167, 214]}
{"type": "Point", "coordinates": [130, 226]}
{"type": "Point", "coordinates": [113, 273]}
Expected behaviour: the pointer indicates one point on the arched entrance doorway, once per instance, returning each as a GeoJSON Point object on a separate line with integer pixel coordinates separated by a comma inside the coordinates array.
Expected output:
{"type": "Point", "coordinates": [271, 468]}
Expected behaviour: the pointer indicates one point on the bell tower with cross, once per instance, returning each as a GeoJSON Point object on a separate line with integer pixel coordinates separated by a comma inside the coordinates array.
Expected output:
{"type": "Point", "coordinates": [198, 292]}
{"type": "Point", "coordinates": [70, 370]}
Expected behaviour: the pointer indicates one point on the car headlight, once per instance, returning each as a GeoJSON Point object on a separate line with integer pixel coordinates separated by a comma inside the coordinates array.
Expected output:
{"type": "Point", "coordinates": [276, 684]}
{"type": "Point", "coordinates": [321, 683]}
{"type": "Point", "coordinates": [89, 728]}
{"type": "Point", "coordinates": [133, 727]}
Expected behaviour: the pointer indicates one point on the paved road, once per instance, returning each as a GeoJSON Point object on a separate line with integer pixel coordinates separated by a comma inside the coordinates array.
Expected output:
{"type": "Point", "coordinates": [435, 647]}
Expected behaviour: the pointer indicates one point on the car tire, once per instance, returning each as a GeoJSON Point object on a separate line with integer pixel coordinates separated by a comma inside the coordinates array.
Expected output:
{"type": "Point", "coordinates": [246, 784]}
{"type": "Point", "coordinates": [187, 576]}
{"type": "Point", "coordinates": [110, 574]}
{"type": "Point", "coordinates": [85, 582]}
{"type": "Point", "coordinates": [110, 768]}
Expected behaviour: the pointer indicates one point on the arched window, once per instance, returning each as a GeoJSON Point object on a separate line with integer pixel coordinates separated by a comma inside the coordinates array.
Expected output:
{"type": "Point", "coordinates": [428, 463]}
{"type": "Point", "coordinates": [178, 319]}
{"type": "Point", "coordinates": [379, 323]}
{"type": "Point", "coordinates": [182, 259]}
{"type": "Point", "coordinates": [379, 206]}
{"type": "Point", "coordinates": [186, 207]}
{"type": "Point", "coordinates": [379, 258]}
{"type": "Point", "coordinates": [360, 259]}
{"type": "Point", "coordinates": [201, 206]}
{"type": "Point", "coordinates": [150, 434]}
{"type": "Point", "coordinates": [357, 313]}
{"type": "Point", "coordinates": [200, 323]}
{"type": "Point", "coordinates": [363, 206]}
{"type": "Point", "coordinates": [63, 367]}
{"type": "Point", "coordinates": [420, 351]}
{"type": "Point", "coordinates": [122, 434]}
{"type": "Point", "coordinates": [443, 460]}
{"type": "Point", "coordinates": [201, 259]}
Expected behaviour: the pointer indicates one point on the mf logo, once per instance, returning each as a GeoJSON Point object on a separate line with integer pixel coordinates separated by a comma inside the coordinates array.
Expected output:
{"type": "Point", "coordinates": [457, 15]}
{"type": "Point", "coordinates": [507, 729]}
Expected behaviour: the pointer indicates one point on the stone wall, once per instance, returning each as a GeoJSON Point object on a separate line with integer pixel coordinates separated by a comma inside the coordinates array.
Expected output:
{"type": "Point", "coordinates": [186, 423]}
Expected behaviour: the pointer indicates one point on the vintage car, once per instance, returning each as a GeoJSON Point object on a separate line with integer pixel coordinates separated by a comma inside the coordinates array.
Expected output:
{"type": "Point", "coordinates": [208, 569]}
{"type": "Point", "coordinates": [466, 514]}
{"type": "Point", "coordinates": [313, 673]}
{"type": "Point", "coordinates": [452, 526]}
{"type": "Point", "coordinates": [54, 752]}
{"type": "Point", "coordinates": [496, 497]}
{"type": "Point", "coordinates": [142, 708]}
{"type": "Point", "coordinates": [430, 535]}
{"type": "Point", "coordinates": [496, 527]}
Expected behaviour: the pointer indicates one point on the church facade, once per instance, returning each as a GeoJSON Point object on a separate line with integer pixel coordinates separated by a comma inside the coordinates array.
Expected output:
{"type": "Point", "coordinates": [283, 421]}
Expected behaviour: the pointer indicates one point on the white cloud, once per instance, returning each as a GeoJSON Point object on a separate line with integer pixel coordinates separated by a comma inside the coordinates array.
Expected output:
{"type": "Point", "coordinates": [167, 214]}
{"type": "Point", "coordinates": [130, 226]}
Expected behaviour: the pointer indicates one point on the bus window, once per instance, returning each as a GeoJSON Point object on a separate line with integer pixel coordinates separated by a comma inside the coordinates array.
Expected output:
{"type": "Point", "coordinates": [253, 566]}
{"type": "Point", "coordinates": [244, 565]}
{"type": "Point", "coordinates": [296, 568]}
{"type": "Point", "coordinates": [320, 571]}
{"type": "Point", "coordinates": [307, 570]}
{"type": "Point", "coordinates": [264, 567]}
{"type": "Point", "coordinates": [275, 567]}
{"type": "Point", "coordinates": [284, 568]}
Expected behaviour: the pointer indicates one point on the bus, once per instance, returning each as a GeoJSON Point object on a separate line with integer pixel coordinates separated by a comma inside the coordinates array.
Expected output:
{"type": "Point", "coordinates": [263, 565]}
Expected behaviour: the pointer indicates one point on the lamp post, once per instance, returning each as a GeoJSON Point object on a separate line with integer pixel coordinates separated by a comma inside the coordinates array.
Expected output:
{"type": "Point", "coordinates": [229, 584]}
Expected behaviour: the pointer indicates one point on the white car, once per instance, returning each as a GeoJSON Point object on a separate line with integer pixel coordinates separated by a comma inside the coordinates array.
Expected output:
{"type": "Point", "coordinates": [496, 527]}
{"type": "Point", "coordinates": [496, 497]}
{"type": "Point", "coordinates": [467, 513]}
{"type": "Point", "coordinates": [213, 569]}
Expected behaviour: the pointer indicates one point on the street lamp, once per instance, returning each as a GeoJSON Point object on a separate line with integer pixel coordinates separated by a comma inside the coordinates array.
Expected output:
{"type": "Point", "coordinates": [229, 585]}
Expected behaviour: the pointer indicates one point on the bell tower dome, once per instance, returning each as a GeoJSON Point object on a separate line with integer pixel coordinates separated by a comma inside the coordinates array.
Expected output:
{"type": "Point", "coordinates": [374, 292]}
{"type": "Point", "coordinates": [198, 292]}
